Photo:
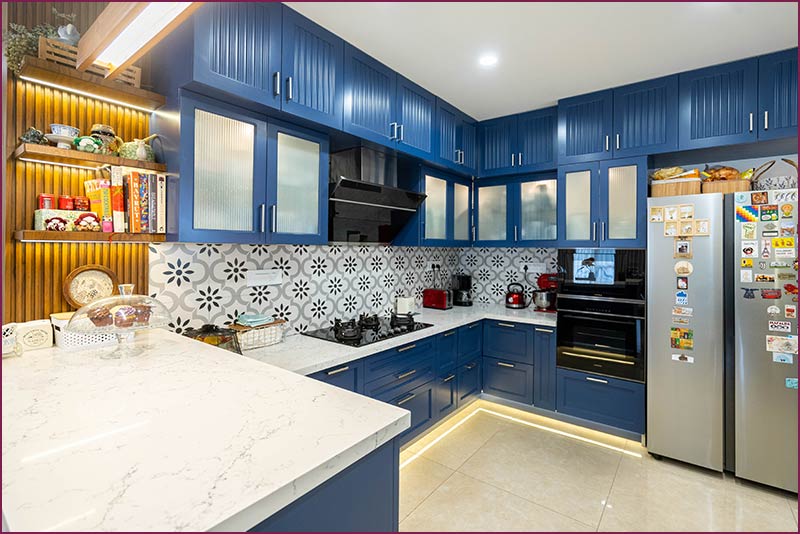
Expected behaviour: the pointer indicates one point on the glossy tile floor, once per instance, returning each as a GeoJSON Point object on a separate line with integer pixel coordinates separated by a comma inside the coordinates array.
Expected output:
{"type": "Point", "coordinates": [483, 471]}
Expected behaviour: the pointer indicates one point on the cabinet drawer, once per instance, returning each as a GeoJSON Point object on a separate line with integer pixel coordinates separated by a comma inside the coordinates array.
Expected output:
{"type": "Point", "coordinates": [611, 401]}
{"type": "Point", "coordinates": [470, 341]}
{"type": "Point", "coordinates": [420, 402]}
{"type": "Point", "coordinates": [400, 359]}
{"type": "Point", "coordinates": [446, 393]}
{"type": "Point", "coordinates": [446, 344]}
{"type": "Point", "coordinates": [349, 376]}
{"type": "Point", "coordinates": [509, 380]}
{"type": "Point", "coordinates": [508, 341]}
{"type": "Point", "coordinates": [469, 381]}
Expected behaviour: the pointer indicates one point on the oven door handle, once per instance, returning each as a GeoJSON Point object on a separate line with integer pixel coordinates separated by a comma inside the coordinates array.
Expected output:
{"type": "Point", "coordinates": [613, 360]}
{"type": "Point", "coordinates": [600, 314]}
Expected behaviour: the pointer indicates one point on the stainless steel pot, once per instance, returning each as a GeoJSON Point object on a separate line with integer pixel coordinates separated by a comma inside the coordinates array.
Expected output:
{"type": "Point", "coordinates": [544, 299]}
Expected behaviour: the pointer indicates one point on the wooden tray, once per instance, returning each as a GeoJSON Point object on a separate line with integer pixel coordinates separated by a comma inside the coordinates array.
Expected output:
{"type": "Point", "coordinates": [726, 186]}
{"type": "Point", "coordinates": [67, 55]}
{"type": "Point", "coordinates": [674, 188]}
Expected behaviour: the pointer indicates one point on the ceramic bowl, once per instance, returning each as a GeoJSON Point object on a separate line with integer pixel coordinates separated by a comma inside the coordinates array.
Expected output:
{"type": "Point", "coordinates": [65, 130]}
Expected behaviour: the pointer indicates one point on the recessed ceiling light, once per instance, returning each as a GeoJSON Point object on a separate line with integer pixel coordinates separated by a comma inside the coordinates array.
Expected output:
{"type": "Point", "coordinates": [488, 60]}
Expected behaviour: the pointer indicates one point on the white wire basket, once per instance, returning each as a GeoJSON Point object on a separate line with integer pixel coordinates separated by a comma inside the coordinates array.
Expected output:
{"type": "Point", "coordinates": [74, 340]}
{"type": "Point", "coordinates": [254, 337]}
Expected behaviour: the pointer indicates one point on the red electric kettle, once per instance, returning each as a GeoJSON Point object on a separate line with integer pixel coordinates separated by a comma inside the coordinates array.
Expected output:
{"type": "Point", "coordinates": [515, 296]}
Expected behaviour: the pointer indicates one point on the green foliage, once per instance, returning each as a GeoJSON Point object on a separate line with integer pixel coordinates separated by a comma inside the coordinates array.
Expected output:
{"type": "Point", "coordinates": [21, 41]}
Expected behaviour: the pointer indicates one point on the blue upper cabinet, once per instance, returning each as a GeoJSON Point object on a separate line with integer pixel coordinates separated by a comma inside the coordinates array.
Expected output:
{"type": "Point", "coordinates": [718, 105]}
{"type": "Point", "coordinates": [646, 117]}
{"type": "Point", "coordinates": [777, 95]}
{"type": "Point", "coordinates": [313, 71]}
{"type": "Point", "coordinates": [416, 110]}
{"type": "Point", "coordinates": [455, 138]}
{"type": "Point", "coordinates": [370, 103]}
{"type": "Point", "coordinates": [584, 127]}
{"type": "Point", "coordinates": [537, 140]}
{"type": "Point", "coordinates": [469, 144]}
{"type": "Point", "coordinates": [238, 49]}
{"type": "Point", "coordinates": [498, 142]}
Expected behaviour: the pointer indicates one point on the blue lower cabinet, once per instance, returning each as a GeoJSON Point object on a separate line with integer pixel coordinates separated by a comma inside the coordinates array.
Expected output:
{"type": "Point", "coordinates": [409, 358]}
{"type": "Point", "coordinates": [446, 350]}
{"type": "Point", "coordinates": [544, 378]}
{"type": "Point", "coordinates": [606, 400]}
{"type": "Point", "coordinates": [508, 341]}
{"type": "Point", "coordinates": [349, 376]}
{"type": "Point", "coordinates": [508, 380]}
{"type": "Point", "coordinates": [469, 381]}
{"type": "Point", "coordinates": [446, 394]}
{"type": "Point", "coordinates": [470, 342]}
{"type": "Point", "coordinates": [420, 402]}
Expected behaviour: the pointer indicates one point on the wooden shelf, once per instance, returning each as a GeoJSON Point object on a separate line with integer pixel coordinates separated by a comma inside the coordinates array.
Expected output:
{"type": "Point", "coordinates": [34, 69]}
{"type": "Point", "coordinates": [86, 237]}
{"type": "Point", "coordinates": [51, 154]}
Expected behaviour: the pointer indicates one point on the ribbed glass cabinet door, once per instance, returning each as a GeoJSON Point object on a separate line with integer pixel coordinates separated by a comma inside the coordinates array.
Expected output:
{"type": "Point", "coordinates": [460, 212]}
{"type": "Point", "coordinates": [298, 183]}
{"type": "Point", "coordinates": [622, 208]}
{"type": "Point", "coordinates": [538, 210]}
{"type": "Point", "coordinates": [435, 208]}
{"type": "Point", "coordinates": [578, 205]}
{"type": "Point", "coordinates": [492, 221]}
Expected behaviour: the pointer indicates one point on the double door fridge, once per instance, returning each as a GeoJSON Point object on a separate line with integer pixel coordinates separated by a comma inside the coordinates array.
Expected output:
{"type": "Point", "coordinates": [722, 333]}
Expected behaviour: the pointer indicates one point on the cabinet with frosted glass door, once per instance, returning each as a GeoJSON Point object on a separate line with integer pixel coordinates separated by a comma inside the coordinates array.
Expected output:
{"type": "Point", "coordinates": [536, 221]}
{"type": "Point", "coordinates": [444, 218]}
{"type": "Point", "coordinates": [493, 213]}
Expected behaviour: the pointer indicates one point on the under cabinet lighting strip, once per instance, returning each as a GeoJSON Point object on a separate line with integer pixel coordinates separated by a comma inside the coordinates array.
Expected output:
{"type": "Point", "coordinates": [84, 93]}
{"type": "Point", "coordinates": [44, 162]}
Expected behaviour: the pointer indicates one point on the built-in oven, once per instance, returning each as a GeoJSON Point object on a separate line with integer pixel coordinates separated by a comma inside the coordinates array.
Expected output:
{"type": "Point", "coordinates": [601, 312]}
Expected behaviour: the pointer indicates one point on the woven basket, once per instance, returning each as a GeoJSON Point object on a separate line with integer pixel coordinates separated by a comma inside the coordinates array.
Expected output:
{"type": "Point", "coordinates": [254, 337]}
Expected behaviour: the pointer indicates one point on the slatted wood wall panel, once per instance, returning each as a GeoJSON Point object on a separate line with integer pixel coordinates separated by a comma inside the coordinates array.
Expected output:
{"type": "Point", "coordinates": [34, 272]}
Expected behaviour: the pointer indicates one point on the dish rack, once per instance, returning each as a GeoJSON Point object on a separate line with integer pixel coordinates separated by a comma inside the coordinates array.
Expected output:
{"type": "Point", "coordinates": [254, 337]}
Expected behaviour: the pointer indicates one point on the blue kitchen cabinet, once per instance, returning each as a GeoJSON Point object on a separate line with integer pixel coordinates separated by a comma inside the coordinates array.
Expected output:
{"type": "Point", "coordinates": [603, 399]}
{"type": "Point", "coordinates": [470, 342]}
{"type": "Point", "coordinates": [421, 402]}
{"type": "Point", "coordinates": [518, 143]}
{"type": "Point", "coordinates": [508, 379]}
{"type": "Point", "coordinates": [469, 145]}
{"type": "Point", "coordinates": [535, 210]}
{"type": "Point", "coordinates": [498, 142]}
{"type": "Point", "coordinates": [469, 381]}
{"type": "Point", "coordinates": [446, 350]}
{"type": "Point", "coordinates": [416, 111]}
{"type": "Point", "coordinates": [578, 204]}
{"type": "Point", "coordinates": [455, 138]}
{"type": "Point", "coordinates": [777, 95]}
{"type": "Point", "coordinates": [646, 117]}
{"type": "Point", "coordinates": [508, 341]}
{"type": "Point", "coordinates": [718, 105]}
{"type": "Point", "coordinates": [585, 124]}
{"type": "Point", "coordinates": [446, 393]}
{"type": "Point", "coordinates": [349, 376]}
{"type": "Point", "coordinates": [312, 65]}
{"type": "Point", "coordinates": [544, 367]}
{"type": "Point", "coordinates": [494, 215]}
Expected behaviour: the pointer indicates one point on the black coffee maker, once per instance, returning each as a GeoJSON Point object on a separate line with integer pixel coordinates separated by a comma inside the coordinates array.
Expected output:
{"type": "Point", "coordinates": [462, 290]}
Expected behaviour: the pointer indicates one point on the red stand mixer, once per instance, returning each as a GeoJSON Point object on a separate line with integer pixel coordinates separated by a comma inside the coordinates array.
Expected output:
{"type": "Point", "coordinates": [545, 297]}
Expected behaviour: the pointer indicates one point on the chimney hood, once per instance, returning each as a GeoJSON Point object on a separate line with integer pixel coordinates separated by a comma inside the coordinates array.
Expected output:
{"type": "Point", "coordinates": [366, 206]}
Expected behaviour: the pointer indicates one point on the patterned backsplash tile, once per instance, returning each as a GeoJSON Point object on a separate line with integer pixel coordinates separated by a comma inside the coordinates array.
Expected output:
{"type": "Point", "coordinates": [205, 283]}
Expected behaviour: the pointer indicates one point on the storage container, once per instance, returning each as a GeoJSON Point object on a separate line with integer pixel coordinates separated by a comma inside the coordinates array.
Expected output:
{"type": "Point", "coordinates": [726, 186]}
{"type": "Point", "coordinates": [253, 337]}
{"type": "Point", "coordinates": [34, 335]}
{"type": "Point", "coordinates": [677, 187]}
{"type": "Point", "coordinates": [74, 340]}
{"type": "Point", "coordinates": [9, 340]}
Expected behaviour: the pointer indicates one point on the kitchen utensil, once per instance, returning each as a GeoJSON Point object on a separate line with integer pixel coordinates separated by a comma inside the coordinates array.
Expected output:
{"type": "Point", "coordinates": [65, 130]}
{"type": "Point", "coordinates": [547, 281]}
{"type": "Point", "coordinates": [404, 305]}
{"type": "Point", "coordinates": [439, 299]}
{"type": "Point", "coordinates": [515, 296]}
{"type": "Point", "coordinates": [544, 300]}
{"type": "Point", "coordinates": [462, 290]}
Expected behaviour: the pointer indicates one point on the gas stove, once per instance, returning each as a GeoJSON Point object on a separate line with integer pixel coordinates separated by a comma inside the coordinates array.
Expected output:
{"type": "Point", "coordinates": [367, 329]}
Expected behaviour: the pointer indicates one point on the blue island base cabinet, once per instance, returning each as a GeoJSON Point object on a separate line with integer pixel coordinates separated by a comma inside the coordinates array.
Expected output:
{"type": "Point", "coordinates": [508, 380]}
{"type": "Point", "coordinates": [362, 498]}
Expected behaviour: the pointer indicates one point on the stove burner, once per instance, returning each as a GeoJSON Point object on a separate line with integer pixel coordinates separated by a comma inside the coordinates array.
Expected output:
{"type": "Point", "coordinates": [347, 330]}
{"type": "Point", "coordinates": [405, 320]}
{"type": "Point", "coordinates": [369, 321]}
{"type": "Point", "coordinates": [367, 328]}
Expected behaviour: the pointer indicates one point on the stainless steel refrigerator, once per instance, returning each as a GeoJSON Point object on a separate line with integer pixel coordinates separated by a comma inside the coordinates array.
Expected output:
{"type": "Point", "coordinates": [765, 320]}
{"type": "Point", "coordinates": [685, 329]}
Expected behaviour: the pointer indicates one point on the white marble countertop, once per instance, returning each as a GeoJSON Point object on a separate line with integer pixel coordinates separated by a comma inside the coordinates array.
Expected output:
{"type": "Point", "coordinates": [182, 436]}
{"type": "Point", "coordinates": [307, 355]}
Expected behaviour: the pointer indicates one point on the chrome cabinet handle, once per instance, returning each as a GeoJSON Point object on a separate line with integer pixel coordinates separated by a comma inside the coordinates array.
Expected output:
{"type": "Point", "coordinates": [512, 160]}
{"type": "Point", "coordinates": [458, 156]}
{"type": "Point", "coordinates": [289, 92]}
{"type": "Point", "coordinates": [406, 399]}
{"type": "Point", "coordinates": [519, 159]}
{"type": "Point", "coordinates": [515, 232]}
{"type": "Point", "coordinates": [471, 366]}
{"type": "Point", "coordinates": [473, 325]}
{"type": "Point", "coordinates": [617, 143]}
{"type": "Point", "coordinates": [598, 380]}
{"type": "Point", "coordinates": [766, 120]}
{"type": "Point", "coordinates": [263, 218]}
{"type": "Point", "coordinates": [473, 233]}
{"type": "Point", "coordinates": [462, 157]}
{"type": "Point", "coordinates": [587, 357]}
{"type": "Point", "coordinates": [448, 334]}
{"type": "Point", "coordinates": [504, 364]}
{"type": "Point", "coordinates": [594, 231]}
{"type": "Point", "coordinates": [603, 231]}
{"type": "Point", "coordinates": [406, 374]}
{"type": "Point", "coordinates": [274, 222]}
{"type": "Point", "coordinates": [393, 130]}
{"type": "Point", "coordinates": [400, 132]}
{"type": "Point", "coordinates": [544, 330]}
{"type": "Point", "coordinates": [751, 122]}
{"type": "Point", "coordinates": [409, 347]}
{"type": "Point", "coordinates": [507, 325]}
{"type": "Point", "coordinates": [337, 371]}
{"type": "Point", "coordinates": [607, 144]}
{"type": "Point", "coordinates": [276, 83]}
{"type": "Point", "coordinates": [448, 379]}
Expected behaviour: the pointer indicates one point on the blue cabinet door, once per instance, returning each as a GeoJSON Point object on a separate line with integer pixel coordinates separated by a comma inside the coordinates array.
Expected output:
{"type": "Point", "coordinates": [584, 127]}
{"type": "Point", "coordinates": [470, 342]}
{"type": "Point", "coordinates": [369, 102]}
{"type": "Point", "coordinates": [537, 135]}
{"type": "Point", "coordinates": [777, 95]}
{"type": "Point", "coordinates": [494, 216]}
{"type": "Point", "coordinates": [469, 381]}
{"type": "Point", "coordinates": [646, 117]}
{"type": "Point", "coordinates": [606, 400]}
{"type": "Point", "coordinates": [349, 376]}
{"type": "Point", "coordinates": [544, 367]}
{"type": "Point", "coordinates": [446, 350]}
{"type": "Point", "coordinates": [508, 379]}
{"type": "Point", "coordinates": [446, 393]}
{"type": "Point", "coordinates": [578, 204]}
{"type": "Point", "coordinates": [420, 401]}
{"type": "Point", "coordinates": [238, 49]}
{"type": "Point", "coordinates": [296, 213]}
{"type": "Point", "coordinates": [447, 124]}
{"type": "Point", "coordinates": [498, 146]}
{"type": "Point", "coordinates": [416, 110]}
{"type": "Point", "coordinates": [313, 67]}
{"type": "Point", "coordinates": [718, 105]}
{"type": "Point", "coordinates": [536, 210]}
{"type": "Point", "coordinates": [508, 341]}
{"type": "Point", "coordinates": [623, 203]}
{"type": "Point", "coordinates": [469, 145]}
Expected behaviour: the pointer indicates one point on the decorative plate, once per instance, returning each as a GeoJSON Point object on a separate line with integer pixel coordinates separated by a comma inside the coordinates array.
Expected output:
{"type": "Point", "coordinates": [89, 283]}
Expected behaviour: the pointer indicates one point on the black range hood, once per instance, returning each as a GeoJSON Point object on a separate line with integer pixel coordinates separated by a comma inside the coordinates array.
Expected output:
{"type": "Point", "coordinates": [366, 206]}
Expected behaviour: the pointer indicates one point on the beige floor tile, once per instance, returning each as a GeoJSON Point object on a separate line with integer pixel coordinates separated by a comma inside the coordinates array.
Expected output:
{"type": "Point", "coordinates": [432, 435]}
{"type": "Point", "coordinates": [462, 442]}
{"type": "Point", "coordinates": [561, 473]}
{"type": "Point", "coordinates": [418, 480]}
{"type": "Point", "coordinates": [793, 506]}
{"type": "Point", "coordinates": [465, 504]}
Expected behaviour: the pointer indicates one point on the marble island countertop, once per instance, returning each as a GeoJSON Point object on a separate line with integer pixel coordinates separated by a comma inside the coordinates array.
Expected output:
{"type": "Point", "coordinates": [182, 436]}
{"type": "Point", "coordinates": [306, 355]}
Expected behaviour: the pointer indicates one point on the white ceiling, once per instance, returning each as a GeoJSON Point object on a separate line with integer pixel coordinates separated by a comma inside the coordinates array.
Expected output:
{"type": "Point", "coordinates": [550, 50]}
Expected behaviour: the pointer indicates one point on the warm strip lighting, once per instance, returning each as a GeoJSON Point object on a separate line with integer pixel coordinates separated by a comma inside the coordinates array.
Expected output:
{"type": "Point", "coordinates": [31, 160]}
{"type": "Point", "coordinates": [140, 31]}
{"type": "Point", "coordinates": [519, 421]}
{"type": "Point", "coordinates": [84, 93]}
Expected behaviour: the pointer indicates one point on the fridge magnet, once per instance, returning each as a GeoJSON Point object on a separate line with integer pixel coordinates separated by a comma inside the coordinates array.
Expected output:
{"type": "Point", "coordinates": [765, 278]}
{"type": "Point", "coordinates": [783, 242]}
{"type": "Point", "coordinates": [762, 265]}
{"type": "Point", "coordinates": [790, 311]}
{"type": "Point", "coordinates": [786, 211]}
{"type": "Point", "coordinates": [779, 265]}
{"type": "Point", "coordinates": [684, 268]}
{"type": "Point", "coordinates": [656, 214]}
{"type": "Point", "coordinates": [786, 196]}
{"type": "Point", "coordinates": [686, 228]}
{"type": "Point", "coordinates": [686, 211]}
{"type": "Point", "coordinates": [785, 253]}
{"type": "Point", "coordinates": [782, 357]}
{"type": "Point", "coordinates": [746, 263]}
{"type": "Point", "coordinates": [780, 326]}
{"type": "Point", "coordinates": [773, 311]}
{"type": "Point", "coordinates": [769, 212]}
{"type": "Point", "coordinates": [759, 197]}
{"type": "Point", "coordinates": [702, 227]}
{"type": "Point", "coordinates": [787, 228]}
{"type": "Point", "coordinates": [769, 233]}
{"type": "Point", "coordinates": [682, 282]}
{"type": "Point", "coordinates": [791, 289]}
{"type": "Point", "coordinates": [682, 298]}
{"type": "Point", "coordinates": [779, 343]}
{"type": "Point", "coordinates": [790, 383]}
{"type": "Point", "coordinates": [770, 294]}
{"type": "Point", "coordinates": [746, 276]}
{"type": "Point", "coordinates": [787, 276]}
{"type": "Point", "coordinates": [746, 213]}
{"type": "Point", "coordinates": [740, 197]}
{"type": "Point", "coordinates": [682, 247]}
{"type": "Point", "coordinates": [670, 213]}
{"type": "Point", "coordinates": [671, 228]}
{"type": "Point", "coordinates": [680, 320]}
{"type": "Point", "coordinates": [766, 249]}
{"type": "Point", "coordinates": [770, 226]}
{"type": "Point", "coordinates": [749, 230]}
{"type": "Point", "coordinates": [749, 249]}
{"type": "Point", "coordinates": [683, 358]}
{"type": "Point", "coordinates": [682, 310]}
{"type": "Point", "coordinates": [794, 265]}
{"type": "Point", "coordinates": [682, 338]}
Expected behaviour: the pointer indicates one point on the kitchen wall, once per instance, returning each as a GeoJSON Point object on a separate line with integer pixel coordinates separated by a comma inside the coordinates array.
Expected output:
{"type": "Point", "coordinates": [205, 283]}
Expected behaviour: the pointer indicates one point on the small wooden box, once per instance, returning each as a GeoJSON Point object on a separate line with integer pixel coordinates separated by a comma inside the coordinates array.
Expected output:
{"type": "Point", "coordinates": [677, 187]}
{"type": "Point", "coordinates": [726, 186]}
